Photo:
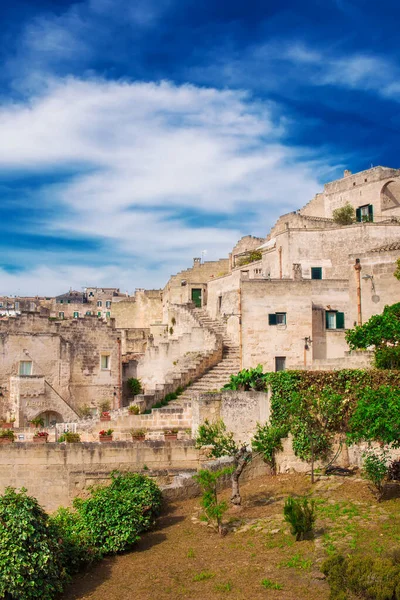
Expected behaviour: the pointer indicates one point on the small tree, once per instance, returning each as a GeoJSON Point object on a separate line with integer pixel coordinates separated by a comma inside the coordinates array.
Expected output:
{"type": "Point", "coordinates": [345, 215]}
{"type": "Point", "coordinates": [382, 333]}
{"type": "Point", "coordinates": [213, 509]}
{"type": "Point", "coordinates": [223, 444]}
{"type": "Point", "coordinates": [267, 441]}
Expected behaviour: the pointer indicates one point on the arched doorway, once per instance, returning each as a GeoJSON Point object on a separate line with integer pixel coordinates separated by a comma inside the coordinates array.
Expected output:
{"type": "Point", "coordinates": [50, 418]}
{"type": "Point", "coordinates": [390, 196]}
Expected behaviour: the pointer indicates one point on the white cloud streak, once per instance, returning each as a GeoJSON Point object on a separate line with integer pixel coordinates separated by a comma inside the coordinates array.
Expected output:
{"type": "Point", "coordinates": [146, 155]}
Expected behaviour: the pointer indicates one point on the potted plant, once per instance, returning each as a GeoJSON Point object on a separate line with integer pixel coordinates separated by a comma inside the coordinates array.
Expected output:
{"type": "Point", "coordinates": [7, 424]}
{"type": "Point", "coordinates": [40, 437]}
{"type": "Point", "coordinates": [138, 435]}
{"type": "Point", "coordinates": [105, 416]}
{"type": "Point", "coordinates": [37, 422]}
{"type": "Point", "coordinates": [7, 436]}
{"type": "Point", "coordinates": [134, 409]}
{"type": "Point", "coordinates": [171, 434]}
{"type": "Point", "coordinates": [105, 435]}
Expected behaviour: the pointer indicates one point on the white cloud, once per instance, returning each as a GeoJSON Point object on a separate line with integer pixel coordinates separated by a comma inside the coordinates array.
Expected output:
{"type": "Point", "coordinates": [145, 154]}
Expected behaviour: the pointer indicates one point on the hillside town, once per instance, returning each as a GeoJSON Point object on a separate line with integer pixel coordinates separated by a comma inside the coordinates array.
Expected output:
{"type": "Point", "coordinates": [284, 301]}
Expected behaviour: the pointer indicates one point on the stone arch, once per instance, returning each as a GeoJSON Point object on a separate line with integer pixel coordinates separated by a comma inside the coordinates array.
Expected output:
{"type": "Point", "coordinates": [51, 417]}
{"type": "Point", "coordinates": [390, 195]}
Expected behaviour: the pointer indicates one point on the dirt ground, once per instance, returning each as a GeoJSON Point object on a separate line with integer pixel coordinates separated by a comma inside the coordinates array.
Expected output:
{"type": "Point", "coordinates": [258, 558]}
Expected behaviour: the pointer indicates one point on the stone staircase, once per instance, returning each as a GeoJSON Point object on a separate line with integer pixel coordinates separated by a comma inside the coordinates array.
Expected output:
{"type": "Point", "coordinates": [219, 375]}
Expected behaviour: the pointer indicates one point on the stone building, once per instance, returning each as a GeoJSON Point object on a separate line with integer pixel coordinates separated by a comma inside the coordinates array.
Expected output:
{"type": "Point", "coordinates": [54, 368]}
{"type": "Point", "coordinates": [290, 309]}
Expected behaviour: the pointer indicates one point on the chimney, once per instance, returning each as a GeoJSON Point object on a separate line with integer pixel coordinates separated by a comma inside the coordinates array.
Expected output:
{"type": "Point", "coordinates": [196, 262]}
{"type": "Point", "coordinates": [347, 173]}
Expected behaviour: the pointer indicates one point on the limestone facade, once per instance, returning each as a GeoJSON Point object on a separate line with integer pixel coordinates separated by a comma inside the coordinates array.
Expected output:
{"type": "Point", "coordinates": [54, 368]}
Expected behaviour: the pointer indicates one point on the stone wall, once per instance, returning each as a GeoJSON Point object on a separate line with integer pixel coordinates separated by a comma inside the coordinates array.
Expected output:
{"type": "Point", "coordinates": [138, 311]}
{"type": "Point", "coordinates": [56, 473]}
{"type": "Point", "coordinates": [240, 411]}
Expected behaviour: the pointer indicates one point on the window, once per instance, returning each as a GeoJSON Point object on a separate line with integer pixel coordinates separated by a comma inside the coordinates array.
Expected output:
{"type": "Point", "coordinates": [316, 272]}
{"type": "Point", "coordinates": [25, 367]}
{"type": "Point", "coordinates": [99, 313]}
{"type": "Point", "coordinates": [76, 315]}
{"type": "Point", "coordinates": [277, 318]}
{"type": "Point", "coordinates": [280, 363]}
{"type": "Point", "coordinates": [88, 313]}
{"type": "Point", "coordinates": [33, 306]}
{"type": "Point", "coordinates": [219, 304]}
{"type": "Point", "coordinates": [365, 213]}
{"type": "Point", "coordinates": [99, 303]}
{"type": "Point", "coordinates": [17, 306]}
{"type": "Point", "coordinates": [108, 304]}
{"type": "Point", "coordinates": [105, 362]}
{"type": "Point", "coordinates": [60, 315]}
{"type": "Point", "coordinates": [69, 301]}
{"type": "Point", "coordinates": [108, 315]}
{"type": "Point", "coordinates": [334, 319]}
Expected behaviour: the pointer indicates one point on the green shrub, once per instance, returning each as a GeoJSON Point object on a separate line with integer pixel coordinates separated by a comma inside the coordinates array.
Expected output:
{"type": "Point", "coordinates": [69, 437]}
{"type": "Point", "coordinates": [30, 555]}
{"type": "Point", "coordinates": [115, 516]}
{"type": "Point", "coordinates": [345, 215]}
{"type": "Point", "coordinates": [215, 434]}
{"type": "Point", "coordinates": [135, 386]}
{"type": "Point", "coordinates": [248, 379]}
{"type": "Point", "coordinates": [367, 577]}
{"type": "Point", "coordinates": [375, 469]}
{"type": "Point", "coordinates": [134, 409]}
{"type": "Point", "coordinates": [300, 514]}
{"type": "Point", "coordinates": [75, 544]}
{"type": "Point", "coordinates": [268, 440]}
{"type": "Point", "coordinates": [7, 433]}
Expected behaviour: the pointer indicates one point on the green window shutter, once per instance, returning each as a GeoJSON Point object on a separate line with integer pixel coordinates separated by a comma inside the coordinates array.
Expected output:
{"type": "Point", "coordinates": [272, 319]}
{"type": "Point", "coordinates": [316, 272]}
{"type": "Point", "coordinates": [339, 320]}
{"type": "Point", "coordinates": [370, 212]}
{"type": "Point", "coordinates": [358, 215]}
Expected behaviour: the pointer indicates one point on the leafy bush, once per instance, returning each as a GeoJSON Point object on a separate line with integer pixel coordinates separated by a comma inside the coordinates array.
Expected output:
{"type": "Point", "coordinates": [376, 416]}
{"type": "Point", "coordinates": [300, 514]}
{"type": "Point", "coordinates": [7, 433]}
{"type": "Point", "coordinates": [345, 215]}
{"type": "Point", "coordinates": [134, 409]}
{"type": "Point", "coordinates": [249, 258]}
{"type": "Point", "coordinates": [69, 437]}
{"type": "Point", "coordinates": [115, 516]}
{"type": "Point", "coordinates": [37, 422]}
{"type": "Point", "coordinates": [248, 379]}
{"type": "Point", "coordinates": [367, 577]}
{"type": "Point", "coordinates": [75, 544]}
{"type": "Point", "coordinates": [268, 440]}
{"type": "Point", "coordinates": [135, 386]}
{"type": "Point", "coordinates": [215, 434]}
{"type": "Point", "coordinates": [30, 555]}
{"type": "Point", "coordinates": [376, 469]}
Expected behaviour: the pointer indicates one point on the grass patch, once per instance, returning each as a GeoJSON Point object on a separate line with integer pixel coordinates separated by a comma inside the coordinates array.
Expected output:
{"type": "Point", "coordinates": [270, 585]}
{"type": "Point", "coordinates": [203, 576]}
{"type": "Point", "coordinates": [297, 562]}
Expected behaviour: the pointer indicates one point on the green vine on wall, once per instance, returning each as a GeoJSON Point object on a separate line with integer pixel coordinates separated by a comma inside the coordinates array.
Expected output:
{"type": "Point", "coordinates": [315, 406]}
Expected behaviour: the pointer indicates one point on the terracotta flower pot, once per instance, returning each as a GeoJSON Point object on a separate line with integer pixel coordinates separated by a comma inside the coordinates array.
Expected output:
{"type": "Point", "coordinates": [170, 436]}
{"type": "Point", "coordinates": [40, 439]}
{"type": "Point", "coordinates": [6, 440]}
{"type": "Point", "coordinates": [105, 438]}
{"type": "Point", "coordinates": [138, 438]}
{"type": "Point", "coordinates": [7, 425]}
{"type": "Point", "coordinates": [105, 418]}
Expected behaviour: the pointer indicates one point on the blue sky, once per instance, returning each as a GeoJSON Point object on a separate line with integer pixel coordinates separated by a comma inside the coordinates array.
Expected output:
{"type": "Point", "coordinates": [136, 134]}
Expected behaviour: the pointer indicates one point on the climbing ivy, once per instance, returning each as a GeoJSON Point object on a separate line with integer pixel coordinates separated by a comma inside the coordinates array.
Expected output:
{"type": "Point", "coordinates": [314, 406]}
